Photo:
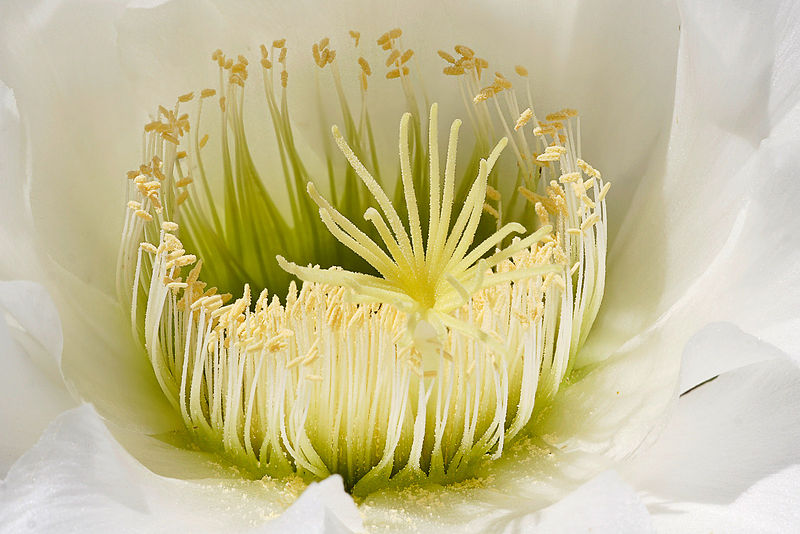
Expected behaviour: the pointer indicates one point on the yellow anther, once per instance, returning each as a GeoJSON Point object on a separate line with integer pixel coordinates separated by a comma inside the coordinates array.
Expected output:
{"type": "Point", "coordinates": [548, 156]}
{"type": "Point", "coordinates": [264, 51]}
{"type": "Point", "coordinates": [187, 259]}
{"type": "Point", "coordinates": [589, 222]}
{"type": "Point", "coordinates": [465, 51]}
{"type": "Point", "coordinates": [364, 66]}
{"type": "Point", "coordinates": [569, 177]}
{"type": "Point", "coordinates": [383, 39]}
{"type": "Point", "coordinates": [278, 43]}
{"type": "Point", "coordinates": [144, 215]}
{"type": "Point", "coordinates": [588, 169]}
{"type": "Point", "coordinates": [485, 94]}
{"type": "Point", "coordinates": [203, 141]}
{"type": "Point", "coordinates": [284, 78]}
{"type": "Point", "coordinates": [217, 53]}
{"type": "Point", "coordinates": [447, 57]}
{"type": "Point", "coordinates": [453, 70]}
{"type": "Point", "coordinates": [170, 138]}
{"type": "Point", "coordinates": [522, 71]}
{"type": "Point", "coordinates": [169, 226]}
{"type": "Point", "coordinates": [502, 82]}
{"type": "Point", "coordinates": [323, 43]}
{"type": "Point", "coordinates": [282, 56]}
{"type": "Point", "coordinates": [395, 33]}
{"type": "Point", "coordinates": [491, 211]}
{"type": "Point", "coordinates": [182, 197]}
{"type": "Point", "coordinates": [317, 57]}
{"type": "Point", "coordinates": [395, 73]}
{"type": "Point", "coordinates": [569, 112]}
{"type": "Point", "coordinates": [558, 149]}
{"type": "Point", "coordinates": [604, 191]}
{"type": "Point", "coordinates": [406, 56]}
{"type": "Point", "coordinates": [184, 182]}
{"type": "Point", "coordinates": [523, 119]}
{"type": "Point", "coordinates": [186, 97]}
{"type": "Point", "coordinates": [148, 247]}
{"type": "Point", "coordinates": [267, 64]}
{"type": "Point", "coordinates": [541, 212]}
{"type": "Point", "coordinates": [557, 116]}
{"type": "Point", "coordinates": [134, 205]}
{"type": "Point", "coordinates": [492, 193]}
{"type": "Point", "coordinates": [392, 57]}
{"type": "Point", "coordinates": [355, 35]}
{"type": "Point", "coordinates": [228, 64]}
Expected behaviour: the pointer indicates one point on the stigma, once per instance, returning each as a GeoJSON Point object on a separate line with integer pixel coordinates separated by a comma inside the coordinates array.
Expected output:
{"type": "Point", "coordinates": [393, 332]}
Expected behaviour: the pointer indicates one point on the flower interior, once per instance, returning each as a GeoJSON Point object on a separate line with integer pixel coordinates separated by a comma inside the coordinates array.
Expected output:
{"type": "Point", "coordinates": [391, 327]}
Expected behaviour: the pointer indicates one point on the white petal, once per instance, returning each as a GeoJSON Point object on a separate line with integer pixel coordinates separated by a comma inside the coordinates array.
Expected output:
{"type": "Point", "coordinates": [78, 479]}
{"type": "Point", "coordinates": [726, 435]}
{"type": "Point", "coordinates": [30, 345]}
{"type": "Point", "coordinates": [714, 238]}
{"type": "Point", "coordinates": [769, 506]}
{"type": "Point", "coordinates": [16, 227]}
{"type": "Point", "coordinates": [604, 504]}
{"type": "Point", "coordinates": [719, 348]}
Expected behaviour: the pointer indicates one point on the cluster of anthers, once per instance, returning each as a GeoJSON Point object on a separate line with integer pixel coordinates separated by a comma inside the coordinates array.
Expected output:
{"type": "Point", "coordinates": [433, 336]}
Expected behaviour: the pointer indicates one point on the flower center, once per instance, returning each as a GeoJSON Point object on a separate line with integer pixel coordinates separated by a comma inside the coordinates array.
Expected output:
{"type": "Point", "coordinates": [432, 335]}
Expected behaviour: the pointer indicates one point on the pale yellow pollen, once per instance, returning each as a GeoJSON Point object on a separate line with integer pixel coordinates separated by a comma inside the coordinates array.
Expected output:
{"type": "Point", "coordinates": [396, 73]}
{"type": "Point", "coordinates": [169, 226]}
{"type": "Point", "coordinates": [134, 205]}
{"type": "Point", "coordinates": [590, 221]}
{"type": "Point", "coordinates": [588, 169]}
{"type": "Point", "coordinates": [523, 119]}
{"type": "Point", "coordinates": [492, 193]}
{"type": "Point", "coordinates": [604, 191]}
{"type": "Point", "coordinates": [392, 57]}
{"type": "Point", "coordinates": [557, 116]}
{"type": "Point", "coordinates": [447, 57]}
{"type": "Point", "coordinates": [569, 177]}
{"type": "Point", "coordinates": [364, 66]}
{"type": "Point", "coordinates": [144, 215]}
{"type": "Point", "coordinates": [491, 211]}
{"type": "Point", "coordinates": [148, 247]}
{"type": "Point", "coordinates": [465, 51]}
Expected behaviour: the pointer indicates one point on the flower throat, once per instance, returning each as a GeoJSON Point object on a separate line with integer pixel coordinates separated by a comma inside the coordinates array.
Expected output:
{"type": "Point", "coordinates": [409, 323]}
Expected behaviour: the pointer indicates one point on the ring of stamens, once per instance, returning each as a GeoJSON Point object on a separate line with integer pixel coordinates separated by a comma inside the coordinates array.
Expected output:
{"type": "Point", "coordinates": [422, 355]}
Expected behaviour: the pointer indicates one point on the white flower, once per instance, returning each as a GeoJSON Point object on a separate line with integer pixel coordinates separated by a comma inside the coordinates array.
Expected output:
{"type": "Point", "coordinates": [702, 263]}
